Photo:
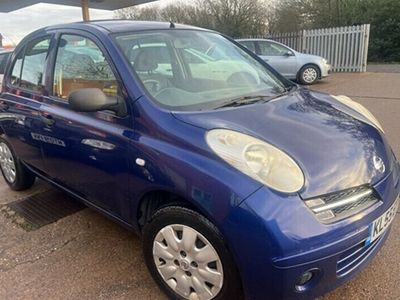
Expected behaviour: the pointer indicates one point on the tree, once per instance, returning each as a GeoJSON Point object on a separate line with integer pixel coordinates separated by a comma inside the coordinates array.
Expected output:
{"type": "Point", "coordinates": [242, 18]}
{"type": "Point", "coordinates": [383, 15]}
{"type": "Point", "coordinates": [232, 17]}
{"type": "Point", "coordinates": [142, 14]}
{"type": "Point", "coordinates": [238, 17]}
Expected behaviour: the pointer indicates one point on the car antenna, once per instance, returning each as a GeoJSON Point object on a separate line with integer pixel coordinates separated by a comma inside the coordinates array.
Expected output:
{"type": "Point", "coordinates": [171, 24]}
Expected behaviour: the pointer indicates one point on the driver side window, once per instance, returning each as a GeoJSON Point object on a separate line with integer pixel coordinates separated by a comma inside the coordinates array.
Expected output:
{"type": "Point", "coordinates": [81, 64]}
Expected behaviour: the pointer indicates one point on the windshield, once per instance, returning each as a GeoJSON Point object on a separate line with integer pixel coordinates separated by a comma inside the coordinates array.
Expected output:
{"type": "Point", "coordinates": [195, 70]}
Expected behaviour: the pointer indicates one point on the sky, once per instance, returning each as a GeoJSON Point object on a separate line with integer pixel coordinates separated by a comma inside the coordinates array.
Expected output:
{"type": "Point", "coordinates": [15, 25]}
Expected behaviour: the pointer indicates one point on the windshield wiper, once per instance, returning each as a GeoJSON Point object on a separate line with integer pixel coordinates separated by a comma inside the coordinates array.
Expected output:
{"type": "Point", "coordinates": [245, 100]}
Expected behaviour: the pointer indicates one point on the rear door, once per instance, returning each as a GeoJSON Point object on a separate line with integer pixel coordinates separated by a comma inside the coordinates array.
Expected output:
{"type": "Point", "coordinates": [277, 56]}
{"type": "Point", "coordinates": [92, 161]}
{"type": "Point", "coordinates": [20, 103]}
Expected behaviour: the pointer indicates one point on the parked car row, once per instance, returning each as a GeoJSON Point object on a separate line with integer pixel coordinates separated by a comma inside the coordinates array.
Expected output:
{"type": "Point", "coordinates": [241, 183]}
{"type": "Point", "coordinates": [304, 68]}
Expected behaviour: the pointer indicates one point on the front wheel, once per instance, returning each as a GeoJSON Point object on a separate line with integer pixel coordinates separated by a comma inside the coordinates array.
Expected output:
{"type": "Point", "coordinates": [16, 175]}
{"type": "Point", "coordinates": [187, 257]}
{"type": "Point", "coordinates": [309, 74]}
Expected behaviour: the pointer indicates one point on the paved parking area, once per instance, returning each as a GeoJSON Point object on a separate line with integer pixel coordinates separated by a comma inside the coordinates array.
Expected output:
{"type": "Point", "coordinates": [380, 93]}
{"type": "Point", "coordinates": [86, 256]}
{"type": "Point", "coordinates": [384, 68]}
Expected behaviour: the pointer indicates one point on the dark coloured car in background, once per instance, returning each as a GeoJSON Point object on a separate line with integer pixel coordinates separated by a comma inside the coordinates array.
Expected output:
{"type": "Point", "coordinates": [241, 183]}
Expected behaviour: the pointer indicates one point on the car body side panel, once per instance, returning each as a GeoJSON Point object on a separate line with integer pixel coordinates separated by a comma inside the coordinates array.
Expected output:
{"type": "Point", "coordinates": [178, 160]}
{"type": "Point", "coordinates": [20, 120]}
{"type": "Point", "coordinates": [89, 157]}
{"type": "Point", "coordinates": [287, 65]}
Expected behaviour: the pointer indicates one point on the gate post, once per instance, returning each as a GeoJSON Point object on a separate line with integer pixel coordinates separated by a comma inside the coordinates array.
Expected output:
{"type": "Point", "coordinates": [366, 44]}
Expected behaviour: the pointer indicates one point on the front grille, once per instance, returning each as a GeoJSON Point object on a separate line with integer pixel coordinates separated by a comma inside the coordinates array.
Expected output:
{"type": "Point", "coordinates": [353, 257]}
{"type": "Point", "coordinates": [337, 206]}
{"type": "Point", "coordinates": [370, 199]}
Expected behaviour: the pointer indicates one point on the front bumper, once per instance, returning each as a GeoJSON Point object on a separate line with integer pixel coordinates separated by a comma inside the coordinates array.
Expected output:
{"type": "Point", "coordinates": [277, 240]}
{"type": "Point", "coordinates": [326, 69]}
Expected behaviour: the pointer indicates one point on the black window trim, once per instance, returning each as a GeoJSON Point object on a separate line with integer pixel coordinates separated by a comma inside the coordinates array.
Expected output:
{"type": "Point", "coordinates": [7, 56]}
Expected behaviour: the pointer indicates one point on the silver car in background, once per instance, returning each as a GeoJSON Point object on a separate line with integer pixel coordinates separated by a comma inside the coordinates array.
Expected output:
{"type": "Point", "coordinates": [4, 55]}
{"type": "Point", "coordinates": [305, 68]}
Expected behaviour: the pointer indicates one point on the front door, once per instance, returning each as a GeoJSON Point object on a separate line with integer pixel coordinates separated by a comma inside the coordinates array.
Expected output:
{"type": "Point", "coordinates": [91, 158]}
{"type": "Point", "coordinates": [279, 57]}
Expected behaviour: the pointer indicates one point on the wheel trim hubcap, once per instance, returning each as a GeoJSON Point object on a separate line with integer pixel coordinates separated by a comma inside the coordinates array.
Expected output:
{"type": "Point", "coordinates": [309, 75]}
{"type": "Point", "coordinates": [188, 262]}
{"type": "Point", "coordinates": [7, 163]}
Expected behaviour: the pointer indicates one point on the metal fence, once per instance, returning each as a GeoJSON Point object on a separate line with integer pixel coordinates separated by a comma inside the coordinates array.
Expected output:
{"type": "Point", "coordinates": [346, 48]}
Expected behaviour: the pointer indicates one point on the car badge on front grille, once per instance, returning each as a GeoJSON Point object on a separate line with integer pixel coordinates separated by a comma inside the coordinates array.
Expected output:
{"type": "Point", "coordinates": [379, 164]}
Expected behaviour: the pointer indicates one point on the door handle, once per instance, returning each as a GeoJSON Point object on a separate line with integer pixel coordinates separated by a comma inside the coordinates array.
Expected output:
{"type": "Point", "coordinates": [47, 119]}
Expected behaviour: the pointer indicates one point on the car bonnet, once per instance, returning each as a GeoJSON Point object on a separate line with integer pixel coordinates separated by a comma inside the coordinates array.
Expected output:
{"type": "Point", "coordinates": [335, 150]}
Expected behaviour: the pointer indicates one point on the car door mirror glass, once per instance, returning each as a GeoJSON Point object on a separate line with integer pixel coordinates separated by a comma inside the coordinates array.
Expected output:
{"type": "Point", "coordinates": [92, 100]}
{"type": "Point", "coordinates": [289, 53]}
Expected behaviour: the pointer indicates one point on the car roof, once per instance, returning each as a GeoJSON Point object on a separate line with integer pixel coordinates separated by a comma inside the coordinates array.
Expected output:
{"type": "Point", "coordinates": [268, 40]}
{"type": "Point", "coordinates": [254, 40]}
{"type": "Point", "coordinates": [116, 26]}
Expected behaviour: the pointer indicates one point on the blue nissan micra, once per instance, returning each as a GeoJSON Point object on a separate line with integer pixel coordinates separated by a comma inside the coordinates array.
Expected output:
{"type": "Point", "coordinates": [241, 183]}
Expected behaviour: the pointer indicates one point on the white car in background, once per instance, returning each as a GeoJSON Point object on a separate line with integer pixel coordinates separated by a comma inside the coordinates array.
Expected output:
{"type": "Point", "coordinates": [210, 61]}
{"type": "Point", "coordinates": [4, 55]}
{"type": "Point", "coordinates": [305, 68]}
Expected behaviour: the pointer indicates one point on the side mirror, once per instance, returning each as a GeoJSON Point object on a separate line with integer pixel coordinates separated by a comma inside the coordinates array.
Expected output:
{"type": "Point", "coordinates": [289, 53]}
{"type": "Point", "coordinates": [91, 100]}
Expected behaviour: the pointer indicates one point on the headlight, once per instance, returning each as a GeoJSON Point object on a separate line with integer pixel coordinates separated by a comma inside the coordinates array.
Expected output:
{"type": "Point", "coordinates": [325, 61]}
{"type": "Point", "coordinates": [257, 159]}
{"type": "Point", "coordinates": [361, 110]}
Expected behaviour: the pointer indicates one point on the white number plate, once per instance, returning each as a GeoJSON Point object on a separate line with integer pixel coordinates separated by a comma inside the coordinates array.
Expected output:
{"type": "Point", "coordinates": [378, 227]}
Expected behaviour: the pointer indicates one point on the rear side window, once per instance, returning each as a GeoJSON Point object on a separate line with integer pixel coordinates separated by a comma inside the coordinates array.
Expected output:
{"type": "Point", "coordinates": [16, 72]}
{"type": "Point", "coordinates": [272, 49]}
{"type": "Point", "coordinates": [29, 66]}
{"type": "Point", "coordinates": [33, 66]}
{"type": "Point", "coordinates": [249, 45]}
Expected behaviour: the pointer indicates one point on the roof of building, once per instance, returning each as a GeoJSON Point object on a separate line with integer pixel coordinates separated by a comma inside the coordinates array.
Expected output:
{"type": "Point", "coordinates": [11, 5]}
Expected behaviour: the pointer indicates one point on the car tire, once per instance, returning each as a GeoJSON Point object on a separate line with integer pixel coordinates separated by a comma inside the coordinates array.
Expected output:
{"type": "Point", "coordinates": [16, 175]}
{"type": "Point", "coordinates": [309, 74]}
{"type": "Point", "coordinates": [194, 253]}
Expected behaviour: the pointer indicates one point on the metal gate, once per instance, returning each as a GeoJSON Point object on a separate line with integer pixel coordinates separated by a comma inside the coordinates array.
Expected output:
{"type": "Point", "coordinates": [346, 48]}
